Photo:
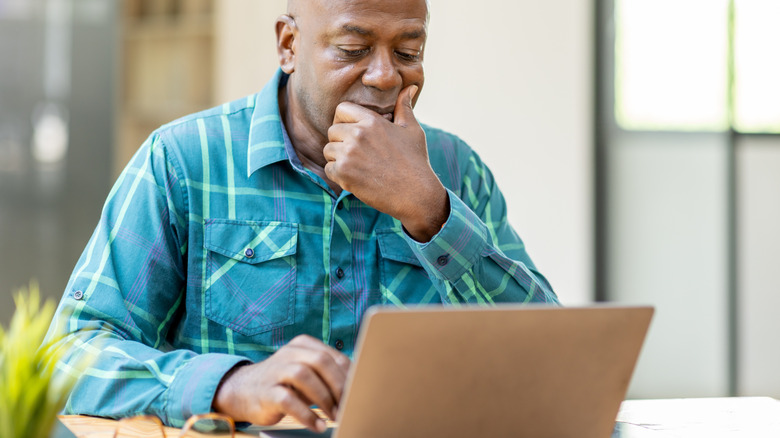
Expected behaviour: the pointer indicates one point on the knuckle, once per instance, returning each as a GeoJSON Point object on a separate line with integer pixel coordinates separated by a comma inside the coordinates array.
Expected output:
{"type": "Point", "coordinates": [298, 372]}
{"type": "Point", "coordinates": [321, 359]}
{"type": "Point", "coordinates": [301, 340]}
{"type": "Point", "coordinates": [331, 171]}
{"type": "Point", "coordinates": [359, 134]}
{"type": "Point", "coordinates": [343, 361]}
{"type": "Point", "coordinates": [285, 399]}
{"type": "Point", "coordinates": [345, 160]}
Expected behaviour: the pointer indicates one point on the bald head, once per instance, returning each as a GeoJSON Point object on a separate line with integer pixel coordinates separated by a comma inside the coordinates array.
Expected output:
{"type": "Point", "coordinates": [296, 8]}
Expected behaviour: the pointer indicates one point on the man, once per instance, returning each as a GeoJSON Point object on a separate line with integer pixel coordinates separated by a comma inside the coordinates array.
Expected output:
{"type": "Point", "coordinates": [239, 250]}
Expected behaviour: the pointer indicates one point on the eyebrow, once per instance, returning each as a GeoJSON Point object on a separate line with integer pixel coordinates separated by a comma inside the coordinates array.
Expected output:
{"type": "Point", "coordinates": [408, 35]}
{"type": "Point", "coordinates": [351, 28]}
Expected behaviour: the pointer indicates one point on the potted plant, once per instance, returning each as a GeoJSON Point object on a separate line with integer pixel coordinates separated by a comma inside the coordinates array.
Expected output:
{"type": "Point", "coordinates": [30, 395]}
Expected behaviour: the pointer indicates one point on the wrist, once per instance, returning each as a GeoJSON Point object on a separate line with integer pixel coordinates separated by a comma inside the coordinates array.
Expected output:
{"type": "Point", "coordinates": [224, 397]}
{"type": "Point", "coordinates": [433, 213]}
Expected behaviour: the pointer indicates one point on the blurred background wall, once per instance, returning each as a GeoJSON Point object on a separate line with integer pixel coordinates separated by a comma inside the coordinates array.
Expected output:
{"type": "Point", "coordinates": [57, 87]}
{"type": "Point", "coordinates": [634, 164]}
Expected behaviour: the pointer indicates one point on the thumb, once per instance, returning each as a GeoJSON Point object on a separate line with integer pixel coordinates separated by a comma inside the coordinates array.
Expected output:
{"type": "Point", "coordinates": [404, 114]}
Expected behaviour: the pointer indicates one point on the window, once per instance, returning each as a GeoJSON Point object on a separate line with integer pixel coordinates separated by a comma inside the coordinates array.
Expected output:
{"type": "Point", "coordinates": [673, 66]}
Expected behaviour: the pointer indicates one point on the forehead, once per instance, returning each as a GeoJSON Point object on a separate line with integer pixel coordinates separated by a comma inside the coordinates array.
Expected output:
{"type": "Point", "coordinates": [382, 14]}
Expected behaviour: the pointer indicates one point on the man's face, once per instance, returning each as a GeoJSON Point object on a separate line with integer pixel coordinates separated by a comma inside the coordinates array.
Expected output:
{"type": "Point", "coordinates": [360, 51]}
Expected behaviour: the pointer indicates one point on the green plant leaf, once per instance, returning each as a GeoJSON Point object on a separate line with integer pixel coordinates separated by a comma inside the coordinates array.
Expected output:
{"type": "Point", "coordinates": [30, 398]}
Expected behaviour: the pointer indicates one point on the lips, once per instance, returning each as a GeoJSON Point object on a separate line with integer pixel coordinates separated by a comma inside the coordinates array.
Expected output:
{"type": "Point", "coordinates": [386, 112]}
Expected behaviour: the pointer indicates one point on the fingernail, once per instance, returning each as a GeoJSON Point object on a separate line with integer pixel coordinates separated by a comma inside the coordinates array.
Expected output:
{"type": "Point", "coordinates": [321, 426]}
{"type": "Point", "coordinates": [414, 91]}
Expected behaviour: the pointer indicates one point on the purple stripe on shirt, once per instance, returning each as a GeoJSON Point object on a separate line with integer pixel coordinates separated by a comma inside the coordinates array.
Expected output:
{"type": "Point", "coordinates": [283, 284]}
{"type": "Point", "coordinates": [343, 295]}
{"type": "Point", "coordinates": [452, 164]}
{"type": "Point", "coordinates": [149, 263]}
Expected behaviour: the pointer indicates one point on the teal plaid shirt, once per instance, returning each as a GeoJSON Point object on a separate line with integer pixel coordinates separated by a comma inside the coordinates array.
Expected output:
{"type": "Point", "coordinates": [217, 246]}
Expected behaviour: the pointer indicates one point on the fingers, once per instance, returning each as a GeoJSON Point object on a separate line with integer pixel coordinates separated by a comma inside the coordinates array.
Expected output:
{"type": "Point", "coordinates": [302, 373]}
{"type": "Point", "coordinates": [308, 383]}
{"type": "Point", "coordinates": [342, 131]}
{"type": "Point", "coordinates": [329, 365]}
{"type": "Point", "coordinates": [404, 113]}
{"type": "Point", "coordinates": [290, 403]}
{"type": "Point", "coordinates": [348, 112]}
{"type": "Point", "coordinates": [340, 358]}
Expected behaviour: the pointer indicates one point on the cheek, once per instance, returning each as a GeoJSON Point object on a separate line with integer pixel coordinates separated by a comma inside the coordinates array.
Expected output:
{"type": "Point", "coordinates": [341, 78]}
{"type": "Point", "coordinates": [413, 76]}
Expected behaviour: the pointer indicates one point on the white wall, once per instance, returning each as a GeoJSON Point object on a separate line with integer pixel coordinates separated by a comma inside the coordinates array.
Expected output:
{"type": "Point", "coordinates": [513, 79]}
{"type": "Point", "coordinates": [758, 237]}
{"type": "Point", "coordinates": [668, 248]}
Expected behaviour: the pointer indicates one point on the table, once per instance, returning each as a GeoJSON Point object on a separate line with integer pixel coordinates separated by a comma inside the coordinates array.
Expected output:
{"type": "Point", "coordinates": [93, 427]}
{"type": "Point", "coordinates": [753, 417]}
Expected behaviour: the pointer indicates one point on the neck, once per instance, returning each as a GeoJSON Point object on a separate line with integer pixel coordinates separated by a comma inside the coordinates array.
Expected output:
{"type": "Point", "coordinates": [306, 140]}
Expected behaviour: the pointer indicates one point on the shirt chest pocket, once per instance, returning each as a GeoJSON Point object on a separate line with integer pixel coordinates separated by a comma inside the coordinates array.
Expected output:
{"type": "Point", "coordinates": [250, 274]}
{"type": "Point", "coordinates": [401, 276]}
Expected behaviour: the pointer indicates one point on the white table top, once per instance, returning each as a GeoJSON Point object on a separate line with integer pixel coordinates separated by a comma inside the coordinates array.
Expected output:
{"type": "Point", "coordinates": [753, 417]}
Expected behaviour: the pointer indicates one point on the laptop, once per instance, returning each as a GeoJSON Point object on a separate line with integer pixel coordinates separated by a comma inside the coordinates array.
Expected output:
{"type": "Point", "coordinates": [507, 371]}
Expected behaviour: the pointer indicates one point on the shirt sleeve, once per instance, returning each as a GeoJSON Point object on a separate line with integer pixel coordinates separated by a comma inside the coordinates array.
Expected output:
{"type": "Point", "coordinates": [127, 288]}
{"type": "Point", "coordinates": [477, 257]}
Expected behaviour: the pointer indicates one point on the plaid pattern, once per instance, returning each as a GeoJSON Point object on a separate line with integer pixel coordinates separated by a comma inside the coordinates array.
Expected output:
{"type": "Point", "coordinates": [216, 246]}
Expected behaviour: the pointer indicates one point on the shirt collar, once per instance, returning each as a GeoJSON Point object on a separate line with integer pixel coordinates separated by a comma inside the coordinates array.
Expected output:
{"type": "Point", "coordinates": [266, 132]}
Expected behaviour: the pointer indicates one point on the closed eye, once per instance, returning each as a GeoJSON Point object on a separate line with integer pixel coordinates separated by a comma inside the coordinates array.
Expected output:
{"type": "Point", "coordinates": [409, 57]}
{"type": "Point", "coordinates": [352, 54]}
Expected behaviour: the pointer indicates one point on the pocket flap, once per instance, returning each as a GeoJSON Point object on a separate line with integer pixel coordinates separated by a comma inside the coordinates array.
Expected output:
{"type": "Point", "coordinates": [394, 246]}
{"type": "Point", "coordinates": [249, 241]}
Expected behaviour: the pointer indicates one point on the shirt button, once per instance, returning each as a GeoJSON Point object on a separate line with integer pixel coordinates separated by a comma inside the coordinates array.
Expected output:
{"type": "Point", "coordinates": [443, 260]}
{"type": "Point", "coordinates": [339, 344]}
{"type": "Point", "coordinates": [249, 253]}
{"type": "Point", "coordinates": [340, 273]}
{"type": "Point", "coordinates": [78, 295]}
{"type": "Point", "coordinates": [340, 206]}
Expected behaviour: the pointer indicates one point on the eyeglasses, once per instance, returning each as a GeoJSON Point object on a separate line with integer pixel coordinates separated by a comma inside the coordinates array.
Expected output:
{"type": "Point", "coordinates": [149, 426]}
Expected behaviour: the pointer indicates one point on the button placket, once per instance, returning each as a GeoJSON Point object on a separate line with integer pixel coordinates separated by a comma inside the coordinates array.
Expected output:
{"type": "Point", "coordinates": [342, 286]}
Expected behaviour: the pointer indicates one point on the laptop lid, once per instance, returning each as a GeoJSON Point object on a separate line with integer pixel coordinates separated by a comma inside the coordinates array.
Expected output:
{"type": "Point", "coordinates": [519, 371]}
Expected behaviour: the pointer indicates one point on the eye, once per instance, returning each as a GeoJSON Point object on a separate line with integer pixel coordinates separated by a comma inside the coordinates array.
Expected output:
{"type": "Point", "coordinates": [350, 53]}
{"type": "Point", "coordinates": [408, 57]}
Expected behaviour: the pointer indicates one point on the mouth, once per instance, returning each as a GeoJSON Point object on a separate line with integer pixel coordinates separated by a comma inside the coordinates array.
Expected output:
{"type": "Point", "coordinates": [386, 112]}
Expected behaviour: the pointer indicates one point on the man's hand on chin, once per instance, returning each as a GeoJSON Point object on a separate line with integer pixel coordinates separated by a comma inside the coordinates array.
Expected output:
{"type": "Point", "coordinates": [385, 164]}
{"type": "Point", "coordinates": [303, 373]}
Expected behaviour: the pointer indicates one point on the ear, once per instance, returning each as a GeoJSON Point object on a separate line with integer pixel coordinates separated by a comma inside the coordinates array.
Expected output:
{"type": "Point", "coordinates": [286, 34]}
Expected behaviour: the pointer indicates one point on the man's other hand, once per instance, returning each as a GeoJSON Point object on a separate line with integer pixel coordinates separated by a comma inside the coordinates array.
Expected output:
{"type": "Point", "coordinates": [303, 373]}
{"type": "Point", "coordinates": [385, 164]}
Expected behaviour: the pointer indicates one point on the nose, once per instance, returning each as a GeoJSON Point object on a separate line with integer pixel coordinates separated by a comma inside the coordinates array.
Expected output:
{"type": "Point", "coordinates": [382, 72]}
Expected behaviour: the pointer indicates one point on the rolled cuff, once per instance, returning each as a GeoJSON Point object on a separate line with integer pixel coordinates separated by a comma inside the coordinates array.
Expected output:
{"type": "Point", "coordinates": [457, 247]}
{"type": "Point", "coordinates": [195, 385]}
